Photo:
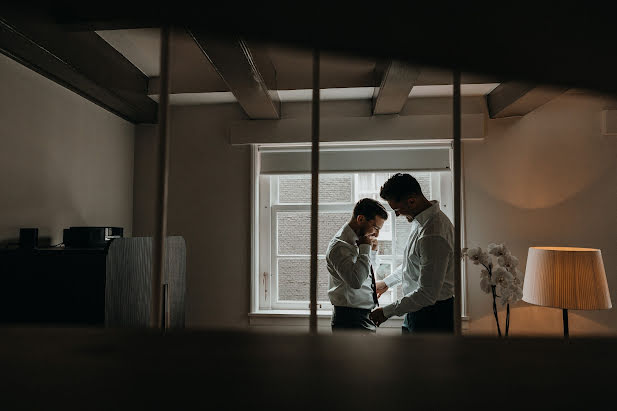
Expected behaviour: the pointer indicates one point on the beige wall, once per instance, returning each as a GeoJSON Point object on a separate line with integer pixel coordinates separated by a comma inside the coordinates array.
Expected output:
{"type": "Point", "coordinates": [549, 178]}
{"type": "Point", "coordinates": [64, 161]}
{"type": "Point", "coordinates": [209, 205]}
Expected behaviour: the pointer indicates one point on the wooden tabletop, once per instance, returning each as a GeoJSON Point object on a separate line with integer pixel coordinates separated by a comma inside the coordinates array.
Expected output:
{"type": "Point", "coordinates": [96, 368]}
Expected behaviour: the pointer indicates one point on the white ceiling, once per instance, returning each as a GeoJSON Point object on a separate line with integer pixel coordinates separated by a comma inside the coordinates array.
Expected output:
{"type": "Point", "coordinates": [328, 94]}
{"type": "Point", "coordinates": [142, 47]}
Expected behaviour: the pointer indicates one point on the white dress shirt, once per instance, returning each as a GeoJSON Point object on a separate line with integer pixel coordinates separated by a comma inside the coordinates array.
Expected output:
{"type": "Point", "coordinates": [350, 273]}
{"type": "Point", "coordinates": [427, 271]}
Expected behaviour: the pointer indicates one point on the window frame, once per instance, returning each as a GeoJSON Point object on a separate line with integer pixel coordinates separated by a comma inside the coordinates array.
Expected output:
{"type": "Point", "coordinates": [262, 212]}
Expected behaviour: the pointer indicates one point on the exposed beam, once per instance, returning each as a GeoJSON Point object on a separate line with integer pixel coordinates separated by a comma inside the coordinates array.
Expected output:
{"type": "Point", "coordinates": [234, 62]}
{"type": "Point", "coordinates": [396, 84]}
{"type": "Point", "coordinates": [512, 99]}
{"type": "Point", "coordinates": [81, 62]}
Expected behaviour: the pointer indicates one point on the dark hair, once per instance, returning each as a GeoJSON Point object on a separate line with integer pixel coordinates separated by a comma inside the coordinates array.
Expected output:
{"type": "Point", "coordinates": [369, 208]}
{"type": "Point", "coordinates": [400, 186]}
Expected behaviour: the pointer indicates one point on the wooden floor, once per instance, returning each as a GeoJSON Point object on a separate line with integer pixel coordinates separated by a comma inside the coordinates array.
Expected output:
{"type": "Point", "coordinates": [108, 369]}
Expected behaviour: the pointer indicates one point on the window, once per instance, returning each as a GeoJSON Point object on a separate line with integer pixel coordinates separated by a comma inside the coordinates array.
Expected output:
{"type": "Point", "coordinates": [282, 222]}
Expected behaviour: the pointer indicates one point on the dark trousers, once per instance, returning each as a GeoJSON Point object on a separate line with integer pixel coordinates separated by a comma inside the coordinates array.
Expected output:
{"type": "Point", "coordinates": [348, 318]}
{"type": "Point", "coordinates": [436, 318]}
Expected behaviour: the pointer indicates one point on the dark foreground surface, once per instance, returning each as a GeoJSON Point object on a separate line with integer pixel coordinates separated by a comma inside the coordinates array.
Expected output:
{"type": "Point", "coordinates": [86, 369]}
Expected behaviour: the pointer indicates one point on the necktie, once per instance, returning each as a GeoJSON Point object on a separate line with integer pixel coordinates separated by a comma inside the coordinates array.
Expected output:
{"type": "Point", "coordinates": [373, 286]}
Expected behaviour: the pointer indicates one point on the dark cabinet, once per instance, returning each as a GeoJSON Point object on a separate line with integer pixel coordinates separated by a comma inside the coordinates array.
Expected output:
{"type": "Point", "coordinates": [108, 286]}
{"type": "Point", "coordinates": [64, 286]}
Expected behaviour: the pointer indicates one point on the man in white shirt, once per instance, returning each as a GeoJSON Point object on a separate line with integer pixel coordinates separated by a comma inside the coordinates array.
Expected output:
{"type": "Point", "coordinates": [351, 259]}
{"type": "Point", "coordinates": [427, 272]}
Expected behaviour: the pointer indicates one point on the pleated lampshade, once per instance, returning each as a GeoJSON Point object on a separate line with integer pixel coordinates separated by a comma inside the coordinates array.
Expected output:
{"type": "Point", "coordinates": [566, 277]}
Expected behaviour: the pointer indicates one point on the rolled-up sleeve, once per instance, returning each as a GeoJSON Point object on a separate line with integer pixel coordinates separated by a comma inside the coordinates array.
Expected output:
{"type": "Point", "coordinates": [434, 252]}
{"type": "Point", "coordinates": [352, 268]}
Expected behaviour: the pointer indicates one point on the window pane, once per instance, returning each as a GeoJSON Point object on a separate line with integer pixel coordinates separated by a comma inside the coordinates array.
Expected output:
{"type": "Point", "coordinates": [424, 179]}
{"type": "Point", "coordinates": [332, 189]}
{"type": "Point", "coordinates": [386, 231]}
{"type": "Point", "coordinates": [294, 280]}
{"type": "Point", "coordinates": [380, 179]}
{"type": "Point", "coordinates": [366, 183]}
{"type": "Point", "coordinates": [397, 291]}
{"type": "Point", "coordinates": [362, 195]}
{"type": "Point", "coordinates": [383, 271]}
{"type": "Point", "coordinates": [294, 231]}
{"type": "Point", "coordinates": [402, 230]}
{"type": "Point", "coordinates": [385, 247]}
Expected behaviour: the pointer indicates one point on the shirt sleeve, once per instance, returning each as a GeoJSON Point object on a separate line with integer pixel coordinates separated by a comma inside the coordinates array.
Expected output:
{"type": "Point", "coordinates": [352, 269]}
{"type": "Point", "coordinates": [434, 252]}
{"type": "Point", "coordinates": [394, 278]}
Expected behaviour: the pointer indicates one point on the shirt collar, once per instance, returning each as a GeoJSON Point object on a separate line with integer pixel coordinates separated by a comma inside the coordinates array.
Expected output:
{"type": "Point", "coordinates": [348, 235]}
{"type": "Point", "coordinates": [427, 214]}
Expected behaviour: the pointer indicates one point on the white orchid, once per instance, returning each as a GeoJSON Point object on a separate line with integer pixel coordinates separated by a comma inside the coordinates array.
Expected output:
{"type": "Point", "coordinates": [517, 278]}
{"type": "Point", "coordinates": [485, 285]}
{"type": "Point", "coordinates": [508, 261]}
{"type": "Point", "coordinates": [504, 282]}
{"type": "Point", "coordinates": [485, 260]}
{"type": "Point", "coordinates": [498, 250]}
{"type": "Point", "coordinates": [510, 294]}
{"type": "Point", "coordinates": [479, 256]}
{"type": "Point", "coordinates": [501, 277]}
{"type": "Point", "coordinates": [475, 255]}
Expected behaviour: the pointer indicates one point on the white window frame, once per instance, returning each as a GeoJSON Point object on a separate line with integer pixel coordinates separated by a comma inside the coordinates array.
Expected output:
{"type": "Point", "coordinates": [263, 277]}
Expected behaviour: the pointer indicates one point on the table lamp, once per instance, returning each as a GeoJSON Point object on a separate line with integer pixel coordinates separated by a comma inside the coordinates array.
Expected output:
{"type": "Point", "coordinates": [569, 278]}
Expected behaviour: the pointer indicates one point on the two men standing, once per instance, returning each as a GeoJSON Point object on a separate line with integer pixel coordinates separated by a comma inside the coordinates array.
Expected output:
{"type": "Point", "coordinates": [427, 271]}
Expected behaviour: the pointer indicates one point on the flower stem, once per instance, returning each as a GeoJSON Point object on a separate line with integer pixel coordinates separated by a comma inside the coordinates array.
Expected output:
{"type": "Point", "coordinates": [495, 311]}
{"type": "Point", "coordinates": [507, 318]}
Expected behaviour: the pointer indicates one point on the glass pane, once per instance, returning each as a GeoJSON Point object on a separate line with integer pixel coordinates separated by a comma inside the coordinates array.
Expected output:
{"type": "Point", "coordinates": [385, 247]}
{"type": "Point", "coordinates": [380, 179]}
{"type": "Point", "coordinates": [294, 231]}
{"type": "Point", "coordinates": [365, 194]}
{"type": "Point", "coordinates": [424, 179]}
{"type": "Point", "coordinates": [332, 189]}
{"type": "Point", "coordinates": [294, 280]}
{"type": "Point", "coordinates": [397, 293]}
{"type": "Point", "coordinates": [366, 183]}
{"type": "Point", "coordinates": [386, 231]}
{"type": "Point", "coordinates": [402, 229]}
{"type": "Point", "coordinates": [383, 271]}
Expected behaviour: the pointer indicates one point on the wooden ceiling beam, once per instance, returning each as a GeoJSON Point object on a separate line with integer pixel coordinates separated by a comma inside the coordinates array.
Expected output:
{"type": "Point", "coordinates": [233, 61]}
{"type": "Point", "coordinates": [512, 99]}
{"type": "Point", "coordinates": [396, 84]}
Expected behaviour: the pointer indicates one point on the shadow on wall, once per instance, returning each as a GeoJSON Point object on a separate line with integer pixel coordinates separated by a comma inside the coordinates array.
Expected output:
{"type": "Point", "coordinates": [548, 156]}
